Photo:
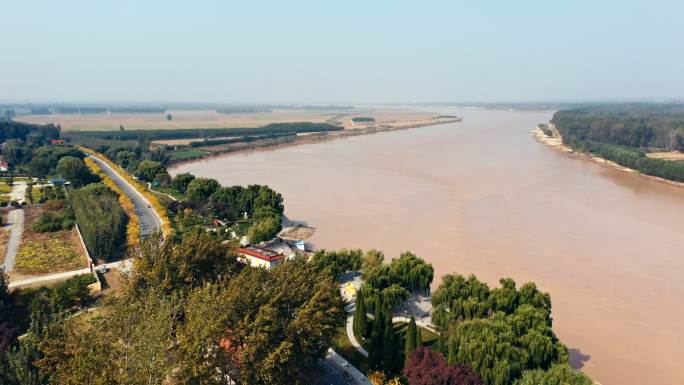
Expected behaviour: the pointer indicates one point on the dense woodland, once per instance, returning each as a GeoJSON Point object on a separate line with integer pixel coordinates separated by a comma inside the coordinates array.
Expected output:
{"type": "Point", "coordinates": [623, 133]}
{"type": "Point", "coordinates": [189, 133]}
{"type": "Point", "coordinates": [633, 125]}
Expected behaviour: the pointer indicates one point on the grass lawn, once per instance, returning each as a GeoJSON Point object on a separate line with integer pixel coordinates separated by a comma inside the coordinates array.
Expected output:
{"type": "Point", "coordinates": [4, 188]}
{"type": "Point", "coordinates": [187, 154]}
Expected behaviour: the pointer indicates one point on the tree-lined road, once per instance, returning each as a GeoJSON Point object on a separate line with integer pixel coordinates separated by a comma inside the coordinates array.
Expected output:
{"type": "Point", "coordinates": [149, 219]}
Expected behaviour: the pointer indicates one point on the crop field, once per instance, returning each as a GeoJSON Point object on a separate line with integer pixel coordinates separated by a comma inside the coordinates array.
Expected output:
{"type": "Point", "coordinates": [44, 256]}
{"type": "Point", "coordinates": [47, 252]}
{"type": "Point", "coordinates": [211, 119]}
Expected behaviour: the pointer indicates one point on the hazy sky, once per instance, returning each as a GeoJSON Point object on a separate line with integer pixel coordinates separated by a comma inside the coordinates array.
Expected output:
{"type": "Point", "coordinates": [340, 51]}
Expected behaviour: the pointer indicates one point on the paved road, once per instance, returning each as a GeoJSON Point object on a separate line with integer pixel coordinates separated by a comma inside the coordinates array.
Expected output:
{"type": "Point", "coordinates": [15, 219]}
{"type": "Point", "coordinates": [149, 220]}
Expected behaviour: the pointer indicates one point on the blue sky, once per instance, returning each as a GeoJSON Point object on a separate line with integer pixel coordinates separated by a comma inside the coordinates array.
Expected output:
{"type": "Point", "coordinates": [340, 51]}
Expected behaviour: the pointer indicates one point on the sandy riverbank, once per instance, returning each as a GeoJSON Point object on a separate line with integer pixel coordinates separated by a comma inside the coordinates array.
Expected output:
{"type": "Point", "coordinates": [556, 142]}
{"type": "Point", "coordinates": [313, 138]}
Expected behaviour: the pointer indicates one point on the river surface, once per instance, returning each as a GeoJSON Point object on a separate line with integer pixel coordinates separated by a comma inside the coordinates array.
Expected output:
{"type": "Point", "coordinates": [483, 197]}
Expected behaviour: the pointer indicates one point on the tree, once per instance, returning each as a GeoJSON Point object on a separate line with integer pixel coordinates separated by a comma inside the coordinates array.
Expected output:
{"type": "Point", "coordinates": [180, 182]}
{"type": "Point", "coordinates": [339, 262]}
{"type": "Point", "coordinates": [419, 337]}
{"type": "Point", "coordinates": [169, 117]}
{"type": "Point", "coordinates": [124, 158]}
{"type": "Point", "coordinates": [360, 317]}
{"type": "Point", "coordinates": [371, 259]}
{"type": "Point", "coordinates": [75, 170]}
{"type": "Point", "coordinates": [410, 342]}
{"type": "Point", "coordinates": [377, 333]}
{"type": "Point", "coordinates": [282, 320]}
{"type": "Point", "coordinates": [427, 367]}
{"type": "Point", "coordinates": [200, 189]}
{"type": "Point", "coordinates": [389, 348]}
{"type": "Point", "coordinates": [168, 265]}
{"type": "Point", "coordinates": [556, 375]}
{"type": "Point", "coordinates": [100, 218]}
{"type": "Point", "coordinates": [264, 230]}
{"type": "Point", "coordinates": [148, 169]}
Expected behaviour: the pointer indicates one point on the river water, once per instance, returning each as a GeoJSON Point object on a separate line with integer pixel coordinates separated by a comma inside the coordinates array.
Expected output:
{"type": "Point", "coordinates": [483, 197]}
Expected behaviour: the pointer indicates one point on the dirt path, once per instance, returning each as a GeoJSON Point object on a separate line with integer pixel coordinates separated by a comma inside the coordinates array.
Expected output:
{"type": "Point", "coordinates": [15, 220]}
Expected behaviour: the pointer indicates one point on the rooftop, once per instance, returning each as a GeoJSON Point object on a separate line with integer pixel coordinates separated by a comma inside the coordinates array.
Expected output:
{"type": "Point", "coordinates": [261, 253]}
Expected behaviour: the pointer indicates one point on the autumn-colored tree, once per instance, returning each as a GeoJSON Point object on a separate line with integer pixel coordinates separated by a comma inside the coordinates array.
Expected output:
{"type": "Point", "coordinates": [427, 367]}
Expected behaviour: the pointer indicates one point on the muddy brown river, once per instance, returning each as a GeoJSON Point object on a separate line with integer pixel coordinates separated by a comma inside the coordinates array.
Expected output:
{"type": "Point", "coordinates": [483, 197]}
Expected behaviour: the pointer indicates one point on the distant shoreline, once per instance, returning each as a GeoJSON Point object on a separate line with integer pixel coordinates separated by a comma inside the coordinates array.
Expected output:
{"type": "Point", "coordinates": [314, 138]}
{"type": "Point", "coordinates": [556, 142]}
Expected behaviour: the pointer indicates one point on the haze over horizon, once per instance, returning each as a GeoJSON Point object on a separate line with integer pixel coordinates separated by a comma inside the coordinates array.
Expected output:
{"type": "Point", "coordinates": [211, 51]}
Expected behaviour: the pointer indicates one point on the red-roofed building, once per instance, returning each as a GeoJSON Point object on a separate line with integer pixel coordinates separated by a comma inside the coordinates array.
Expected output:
{"type": "Point", "coordinates": [56, 141]}
{"type": "Point", "coordinates": [260, 257]}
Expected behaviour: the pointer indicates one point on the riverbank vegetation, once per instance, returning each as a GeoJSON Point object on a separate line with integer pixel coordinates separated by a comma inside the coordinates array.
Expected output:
{"type": "Point", "coordinates": [626, 133]}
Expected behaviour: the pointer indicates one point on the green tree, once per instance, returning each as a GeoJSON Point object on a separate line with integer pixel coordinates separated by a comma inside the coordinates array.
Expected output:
{"type": "Point", "coordinates": [372, 258]}
{"type": "Point", "coordinates": [148, 169]}
{"type": "Point", "coordinates": [168, 265]}
{"type": "Point", "coordinates": [556, 375]}
{"type": "Point", "coordinates": [377, 333]}
{"type": "Point", "coordinates": [124, 158]}
{"type": "Point", "coordinates": [360, 316]}
{"type": "Point", "coordinates": [419, 338]}
{"type": "Point", "coordinates": [264, 230]}
{"type": "Point", "coordinates": [200, 189]}
{"type": "Point", "coordinates": [180, 182]}
{"type": "Point", "coordinates": [410, 342]}
{"type": "Point", "coordinates": [389, 348]}
{"type": "Point", "coordinates": [75, 170]}
{"type": "Point", "coordinates": [100, 218]}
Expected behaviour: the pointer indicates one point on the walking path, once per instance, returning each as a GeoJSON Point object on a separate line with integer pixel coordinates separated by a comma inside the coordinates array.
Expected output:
{"type": "Point", "coordinates": [337, 361]}
{"type": "Point", "coordinates": [15, 219]}
{"type": "Point", "coordinates": [352, 337]}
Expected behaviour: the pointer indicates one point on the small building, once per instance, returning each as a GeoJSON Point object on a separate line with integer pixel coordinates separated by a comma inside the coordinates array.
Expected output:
{"type": "Point", "coordinates": [55, 142]}
{"type": "Point", "coordinates": [4, 164]}
{"type": "Point", "coordinates": [260, 257]}
{"type": "Point", "coordinates": [58, 182]}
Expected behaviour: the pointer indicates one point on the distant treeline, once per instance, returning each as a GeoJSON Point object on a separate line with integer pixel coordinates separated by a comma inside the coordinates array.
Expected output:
{"type": "Point", "coordinates": [189, 133]}
{"type": "Point", "coordinates": [10, 129]}
{"type": "Point", "coordinates": [633, 125]}
{"type": "Point", "coordinates": [243, 110]}
{"type": "Point", "coordinates": [251, 138]}
{"type": "Point", "coordinates": [49, 109]}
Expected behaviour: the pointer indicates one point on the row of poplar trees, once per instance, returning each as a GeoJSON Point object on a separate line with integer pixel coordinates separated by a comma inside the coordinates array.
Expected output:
{"type": "Point", "coordinates": [388, 349]}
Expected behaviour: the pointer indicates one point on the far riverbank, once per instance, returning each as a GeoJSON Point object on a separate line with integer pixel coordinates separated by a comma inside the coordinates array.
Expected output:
{"type": "Point", "coordinates": [318, 137]}
{"type": "Point", "coordinates": [556, 141]}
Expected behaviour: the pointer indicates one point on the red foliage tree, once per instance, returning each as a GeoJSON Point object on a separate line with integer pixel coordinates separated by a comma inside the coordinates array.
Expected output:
{"type": "Point", "coordinates": [427, 367]}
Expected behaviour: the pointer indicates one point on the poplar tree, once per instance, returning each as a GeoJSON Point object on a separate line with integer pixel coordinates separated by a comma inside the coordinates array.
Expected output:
{"type": "Point", "coordinates": [410, 341]}
{"type": "Point", "coordinates": [360, 318]}
{"type": "Point", "coordinates": [375, 354]}
{"type": "Point", "coordinates": [389, 349]}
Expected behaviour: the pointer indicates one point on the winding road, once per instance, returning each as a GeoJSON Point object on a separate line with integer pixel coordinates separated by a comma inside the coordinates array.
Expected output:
{"type": "Point", "coordinates": [150, 221]}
